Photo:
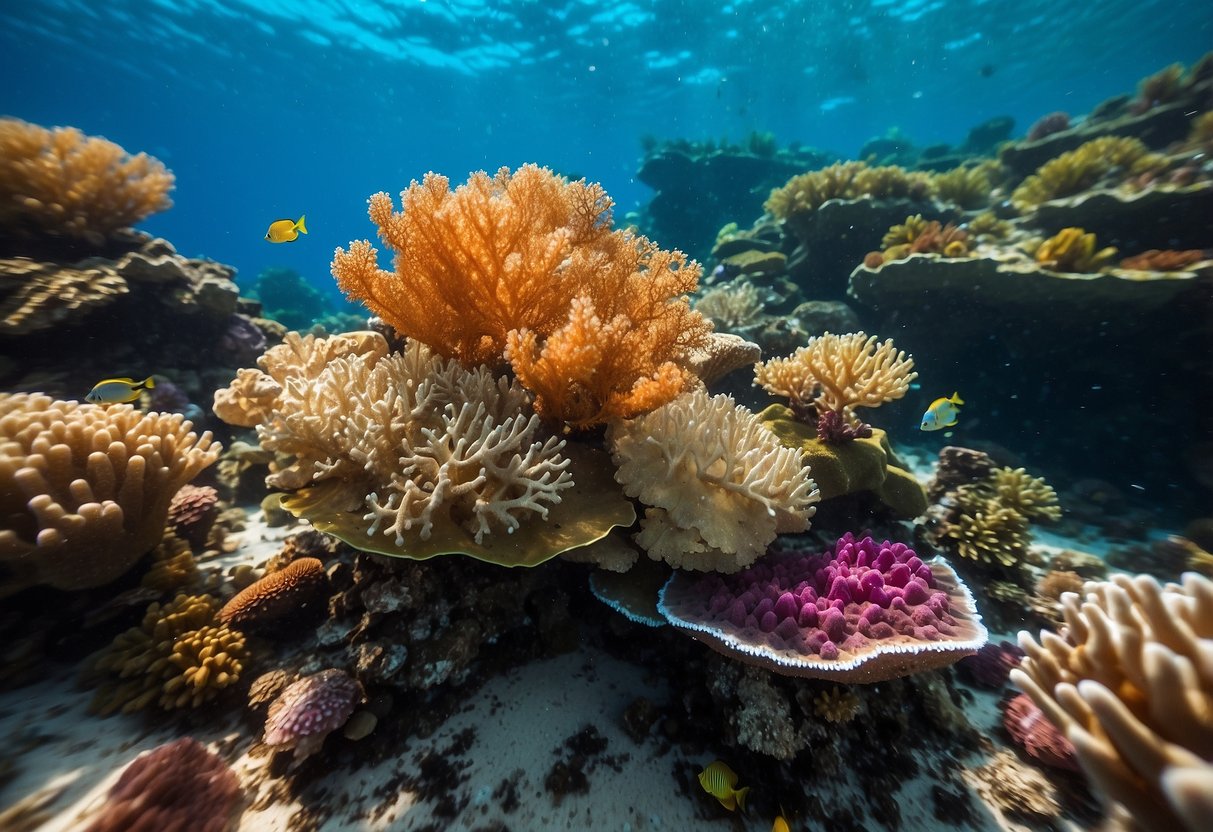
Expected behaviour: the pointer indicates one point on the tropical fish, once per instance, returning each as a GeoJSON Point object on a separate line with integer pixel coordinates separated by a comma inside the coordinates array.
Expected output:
{"type": "Point", "coordinates": [942, 413]}
{"type": "Point", "coordinates": [118, 390]}
{"type": "Point", "coordinates": [780, 825]}
{"type": "Point", "coordinates": [719, 780]}
{"type": "Point", "coordinates": [286, 231]}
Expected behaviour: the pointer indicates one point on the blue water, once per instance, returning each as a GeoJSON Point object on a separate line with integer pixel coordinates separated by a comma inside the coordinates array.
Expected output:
{"type": "Point", "coordinates": [272, 109]}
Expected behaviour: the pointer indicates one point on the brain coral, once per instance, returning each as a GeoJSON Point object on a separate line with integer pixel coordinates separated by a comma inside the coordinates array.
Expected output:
{"type": "Point", "coordinates": [309, 710]}
{"type": "Point", "coordinates": [864, 612]}
{"type": "Point", "coordinates": [719, 485]}
{"type": "Point", "coordinates": [1129, 680]}
{"type": "Point", "coordinates": [85, 489]}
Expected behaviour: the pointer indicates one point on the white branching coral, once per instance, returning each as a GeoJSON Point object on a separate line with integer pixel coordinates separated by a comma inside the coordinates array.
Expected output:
{"type": "Point", "coordinates": [1129, 679]}
{"type": "Point", "coordinates": [419, 436]}
{"type": "Point", "coordinates": [718, 485]}
{"type": "Point", "coordinates": [732, 308]}
{"type": "Point", "coordinates": [839, 373]}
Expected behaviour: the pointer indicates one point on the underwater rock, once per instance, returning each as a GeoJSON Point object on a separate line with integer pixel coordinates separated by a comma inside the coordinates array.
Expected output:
{"type": "Point", "coordinates": [1161, 216]}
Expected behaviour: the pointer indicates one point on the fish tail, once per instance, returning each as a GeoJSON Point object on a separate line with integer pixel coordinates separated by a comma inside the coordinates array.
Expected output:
{"type": "Point", "coordinates": [148, 383]}
{"type": "Point", "coordinates": [300, 224]}
{"type": "Point", "coordinates": [956, 399]}
{"type": "Point", "coordinates": [740, 794]}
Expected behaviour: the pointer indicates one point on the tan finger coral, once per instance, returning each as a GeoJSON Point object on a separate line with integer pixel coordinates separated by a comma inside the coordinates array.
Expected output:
{"type": "Point", "coordinates": [61, 182]}
{"type": "Point", "coordinates": [1129, 679]}
{"type": "Point", "coordinates": [719, 485]}
{"type": "Point", "coordinates": [85, 489]}
{"type": "Point", "coordinates": [838, 373]}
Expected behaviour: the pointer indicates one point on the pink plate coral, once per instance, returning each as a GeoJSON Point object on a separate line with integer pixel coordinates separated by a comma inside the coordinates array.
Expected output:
{"type": "Point", "coordinates": [309, 710]}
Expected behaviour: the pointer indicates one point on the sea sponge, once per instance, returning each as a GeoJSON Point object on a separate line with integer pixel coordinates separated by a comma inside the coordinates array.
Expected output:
{"type": "Point", "coordinates": [1081, 168]}
{"type": "Point", "coordinates": [85, 489]}
{"type": "Point", "coordinates": [276, 596]}
{"type": "Point", "coordinates": [60, 182]}
{"type": "Point", "coordinates": [176, 787]}
{"type": "Point", "coordinates": [1073, 250]}
{"type": "Point", "coordinates": [1031, 496]}
{"type": "Point", "coordinates": [838, 373]}
{"type": "Point", "coordinates": [309, 710]}
{"type": "Point", "coordinates": [718, 485]}
{"type": "Point", "coordinates": [1129, 680]}
{"type": "Point", "coordinates": [531, 259]}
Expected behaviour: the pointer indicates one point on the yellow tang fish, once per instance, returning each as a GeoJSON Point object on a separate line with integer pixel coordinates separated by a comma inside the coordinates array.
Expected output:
{"type": "Point", "coordinates": [118, 390]}
{"type": "Point", "coordinates": [942, 413]}
{"type": "Point", "coordinates": [286, 231]}
{"type": "Point", "coordinates": [719, 780]}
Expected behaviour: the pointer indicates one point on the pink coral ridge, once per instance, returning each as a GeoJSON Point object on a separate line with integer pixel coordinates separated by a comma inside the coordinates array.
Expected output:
{"type": "Point", "coordinates": [1036, 735]}
{"type": "Point", "coordinates": [309, 710]}
{"type": "Point", "coordinates": [863, 613]}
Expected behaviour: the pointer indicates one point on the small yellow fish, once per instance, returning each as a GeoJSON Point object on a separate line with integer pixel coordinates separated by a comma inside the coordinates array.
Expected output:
{"type": "Point", "coordinates": [719, 780]}
{"type": "Point", "coordinates": [780, 825]}
{"type": "Point", "coordinates": [942, 413]}
{"type": "Point", "coordinates": [286, 231]}
{"type": "Point", "coordinates": [118, 390]}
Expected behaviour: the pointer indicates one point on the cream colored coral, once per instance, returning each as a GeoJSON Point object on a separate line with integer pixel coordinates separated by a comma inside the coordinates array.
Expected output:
{"type": "Point", "coordinates": [60, 181]}
{"type": "Point", "coordinates": [719, 485]}
{"type": "Point", "coordinates": [84, 489]}
{"type": "Point", "coordinates": [733, 307]}
{"type": "Point", "coordinates": [250, 398]}
{"type": "Point", "coordinates": [720, 355]}
{"type": "Point", "coordinates": [413, 435]}
{"type": "Point", "coordinates": [839, 373]}
{"type": "Point", "coordinates": [38, 296]}
{"type": "Point", "coordinates": [1130, 681]}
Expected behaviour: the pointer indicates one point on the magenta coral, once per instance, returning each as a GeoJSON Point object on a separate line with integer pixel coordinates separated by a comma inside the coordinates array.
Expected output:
{"type": "Point", "coordinates": [309, 710]}
{"type": "Point", "coordinates": [176, 787]}
{"type": "Point", "coordinates": [833, 427]}
{"type": "Point", "coordinates": [865, 612]}
{"type": "Point", "coordinates": [990, 667]}
{"type": "Point", "coordinates": [1036, 735]}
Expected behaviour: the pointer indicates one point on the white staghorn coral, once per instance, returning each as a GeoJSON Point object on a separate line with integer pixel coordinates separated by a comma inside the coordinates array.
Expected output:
{"type": "Point", "coordinates": [719, 485]}
{"type": "Point", "coordinates": [1129, 679]}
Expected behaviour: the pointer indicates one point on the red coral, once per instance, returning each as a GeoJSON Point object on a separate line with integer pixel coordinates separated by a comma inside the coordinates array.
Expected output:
{"type": "Point", "coordinates": [832, 427]}
{"type": "Point", "coordinates": [192, 512]}
{"type": "Point", "coordinates": [176, 787]}
{"type": "Point", "coordinates": [1164, 260]}
{"type": "Point", "coordinates": [1031, 730]}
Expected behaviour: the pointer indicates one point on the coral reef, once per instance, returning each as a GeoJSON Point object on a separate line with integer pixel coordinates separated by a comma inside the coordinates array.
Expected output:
{"type": "Point", "coordinates": [192, 513]}
{"type": "Point", "coordinates": [176, 787]}
{"type": "Point", "coordinates": [864, 612]}
{"type": "Point", "coordinates": [276, 596]}
{"type": "Point", "coordinates": [967, 187]}
{"type": "Point", "coordinates": [805, 193]}
{"type": "Point", "coordinates": [1073, 250]}
{"type": "Point", "coordinates": [309, 710]}
{"type": "Point", "coordinates": [59, 182]}
{"type": "Point", "coordinates": [1082, 168]}
{"type": "Point", "coordinates": [288, 298]}
{"type": "Point", "coordinates": [717, 485]}
{"type": "Point", "coordinates": [1128, 681]}
{"type": "Point", "coordinates": [85, 489]}
{"type": "Point", "coordinates": [918, 236]}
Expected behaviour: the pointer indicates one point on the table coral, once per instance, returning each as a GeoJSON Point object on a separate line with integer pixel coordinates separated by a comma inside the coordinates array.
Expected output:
{"type": "Point", "coordinates": [309, 710]}
{"type": "Point", "coordinates": [60, 182]}
{"type": "Point", "coordinates": [176, 787]}
{"type": "Point", "coordinates": [85, 489]}
{"type": "Point", "coordinates": [1129, 680]}
{"type": "Point", "coordinates": [718, 485]}
{"type": "Point", "coordinates": [864, 612]}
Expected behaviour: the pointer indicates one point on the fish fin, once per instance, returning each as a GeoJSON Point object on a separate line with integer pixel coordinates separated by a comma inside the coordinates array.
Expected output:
{"type": "Point", "coordinates": [951, 423]}
{"type": "Point", "coordinates": [728, 802]}
{"type": "Point", "coordinates": [956, 399]}
{"type": "Point", "coordinates": [148, 383]}
{"type": "Point", "coordinates": [740, 794]}
{"type": "Point", "coordinates": [300, 223]}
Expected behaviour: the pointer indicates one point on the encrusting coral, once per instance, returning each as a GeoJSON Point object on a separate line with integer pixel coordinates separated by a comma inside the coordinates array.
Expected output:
{"type": "Point", "coordinates": [838, 373]}
{"type": "Point", "coordinates": [1073, 250]}
{"type": "Point", "coordinates": [1129, 680]}
{"type": "Point", "coordinates": [525, 265]}
{"type": "Point", "coordinates": [61, 182]}
{"type": "Point", "coordinates": [718, 486]}
{"type": "Point", "coordinates": [85, 489]}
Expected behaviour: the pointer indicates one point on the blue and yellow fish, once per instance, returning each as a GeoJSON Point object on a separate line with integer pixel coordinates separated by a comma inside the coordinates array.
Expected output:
{"type": "Point", "coordinates": [286, 231]}
{"type": "Point", "coordinates": [719, 781]}
{"type": "Point", "coordinates": [942, 413]}
{"type": "Point", "coordinates": [118, 390]}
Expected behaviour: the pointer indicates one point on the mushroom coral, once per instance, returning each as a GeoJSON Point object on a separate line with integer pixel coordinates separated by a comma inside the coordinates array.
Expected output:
{"type": "Point", "coordinates": [1129, 680]}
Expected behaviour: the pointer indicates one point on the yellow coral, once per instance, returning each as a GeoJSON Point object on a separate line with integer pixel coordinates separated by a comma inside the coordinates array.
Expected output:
{"type": "Point", "coordinates": [984, 530]}
{"type": "Point", "coordinates": [207, 660]}
{"type": "Point", "coordinates": [61, 182]}
{"type": "Point", "coordinates": [986, 224]}
{"type": "Point", "coordinates": [1073, 250]}
{"type": "Point", "coordinates": [836, 705]}
{"type": "Point", "coordinates": [967, 187]}
{"type": "Point", "coordinates": [839, 373]}
{"type": "Point", "coordinates": [173, 566]}
{"type": "Point", "coordinates": [512, 252]}
{"type": "Point", "coordinates": [806, 192]}
{"type": "Point", "coordinates": [1081, 168]}
{"type": "Point", "coordinates": [1030, 496]}
{"type": "Point", "coordinates": [904, 233]}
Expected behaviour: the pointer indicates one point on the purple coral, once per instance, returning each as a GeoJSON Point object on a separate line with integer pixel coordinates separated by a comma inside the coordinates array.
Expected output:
{"type": "Point", "coordinates": [309, 710]}
{"type": "Point", "coordinates": [242, 343]}
{"type": "Point", "coordinates": [832, 427]}
{"type": "Point", "coordinates": [1048, 124]}
{"type": "Point", "coordinates": [990, 666]}
{"type": "Point", "coordinates": [866, 611]}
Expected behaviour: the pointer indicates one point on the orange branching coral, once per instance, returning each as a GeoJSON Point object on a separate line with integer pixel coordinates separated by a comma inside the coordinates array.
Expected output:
{"type": "Point", "coordinates": [62, 182]}
{"type": "Point", "coordinates": [1165, 260]}
{"type": "Point", "coordinates": [1073, 250]}
{"type": "Point", "coordinates": [511, 252]}
{"type": "Point", "coordinates": [590, 372]}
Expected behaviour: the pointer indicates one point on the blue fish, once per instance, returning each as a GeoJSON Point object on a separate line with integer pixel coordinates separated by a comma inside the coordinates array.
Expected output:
{"type": "Point", "coordinates": [942, 413]}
